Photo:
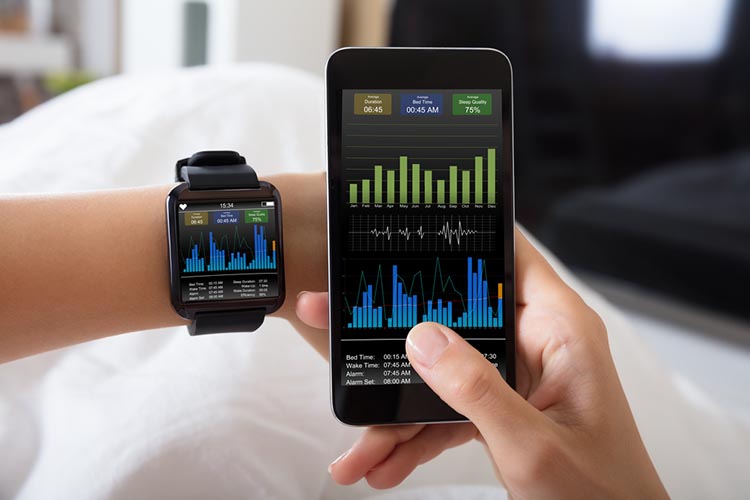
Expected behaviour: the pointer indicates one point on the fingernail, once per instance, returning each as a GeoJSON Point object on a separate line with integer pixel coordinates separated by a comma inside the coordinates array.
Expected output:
{"type": "Point", "coordinates": [427, 344]}
{"type": "Point", "coordinates": [296, 304]}
{"type": "Point", "coordinates": [338, 460]}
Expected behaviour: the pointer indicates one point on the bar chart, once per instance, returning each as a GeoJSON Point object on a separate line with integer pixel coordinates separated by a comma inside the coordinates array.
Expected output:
{"type": "Point", "coordinates": [397, 301]}
{"type": "Point", "coordinates": [421, 196]}
{"type": "Point", "coordinates": [260, 255]}
{"type": "Point", "coordinates": [409, 183]}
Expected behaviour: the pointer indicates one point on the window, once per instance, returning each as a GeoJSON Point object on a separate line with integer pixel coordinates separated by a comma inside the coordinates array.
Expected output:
{"type": "Point", "coordinates": [658, 30]}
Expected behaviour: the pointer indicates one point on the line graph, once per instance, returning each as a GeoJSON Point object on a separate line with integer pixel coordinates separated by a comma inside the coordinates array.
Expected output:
{"type": "Point", "coordinates": [220, 255]}
{"type": "Point", "coordinates": [413, 299]}
{"type": "Point", "coordinates": [414, 233]}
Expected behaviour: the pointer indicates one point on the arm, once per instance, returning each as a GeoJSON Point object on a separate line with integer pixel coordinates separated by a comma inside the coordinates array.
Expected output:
{"type": "Point", "coordinates": [77, 267]}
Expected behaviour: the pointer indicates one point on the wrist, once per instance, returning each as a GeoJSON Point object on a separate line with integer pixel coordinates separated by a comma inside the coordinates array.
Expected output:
{"type": "Point", "coordinates": [305, 246]}
{"type": "Point", "coordinates": [305, 239]}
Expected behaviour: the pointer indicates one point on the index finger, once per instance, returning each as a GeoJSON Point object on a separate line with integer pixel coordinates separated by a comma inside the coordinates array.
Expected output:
{"type": "Point", "coordinates": [536, 280]}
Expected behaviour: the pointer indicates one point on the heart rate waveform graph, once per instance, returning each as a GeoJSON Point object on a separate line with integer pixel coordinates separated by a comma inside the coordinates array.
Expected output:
{"type": "Point", "coordinates": [410, 302]}
{"type": "Point", "coordinates": [389, 233]}
{"type": "Point", "coordinates": [244, 256]}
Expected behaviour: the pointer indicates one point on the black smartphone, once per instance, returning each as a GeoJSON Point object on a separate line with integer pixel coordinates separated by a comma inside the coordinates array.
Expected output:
{"type": "Point", "coordinates": [420, 220]}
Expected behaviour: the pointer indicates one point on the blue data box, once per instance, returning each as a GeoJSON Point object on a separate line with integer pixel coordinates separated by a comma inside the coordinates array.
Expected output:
{"type": "Point", "coordinates": [226, 217]}
{"type": "Point", "coordinates": [422, 104]}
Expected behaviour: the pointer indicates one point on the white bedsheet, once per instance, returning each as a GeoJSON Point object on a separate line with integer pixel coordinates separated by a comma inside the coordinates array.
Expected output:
{"type": "Point", "coordinates": [158, 414]}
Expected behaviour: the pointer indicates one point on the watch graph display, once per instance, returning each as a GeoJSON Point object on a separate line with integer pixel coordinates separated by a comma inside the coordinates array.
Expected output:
{"type": "Point", "coordinates": [422, 233]}
{"type": "Point", "coordinates": [227, 250]}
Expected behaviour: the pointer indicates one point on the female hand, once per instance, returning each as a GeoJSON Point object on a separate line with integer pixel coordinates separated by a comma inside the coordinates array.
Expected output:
{"type": "Point", "coordinates": [567, 433]}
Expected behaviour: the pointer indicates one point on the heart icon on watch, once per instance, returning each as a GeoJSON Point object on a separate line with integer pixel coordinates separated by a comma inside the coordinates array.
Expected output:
{"type": "Point", "coordinates": [183, 206]}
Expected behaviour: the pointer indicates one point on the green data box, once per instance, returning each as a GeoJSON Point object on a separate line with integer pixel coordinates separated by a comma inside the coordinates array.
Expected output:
{"type": "Point", "coordinates": [256, 216]}
{"type": "Point", "coordinates": [472, 104]}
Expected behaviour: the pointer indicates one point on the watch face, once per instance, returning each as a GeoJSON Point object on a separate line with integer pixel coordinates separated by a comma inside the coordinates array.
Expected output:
{"type": "Point", "coordinates": [225, 251]}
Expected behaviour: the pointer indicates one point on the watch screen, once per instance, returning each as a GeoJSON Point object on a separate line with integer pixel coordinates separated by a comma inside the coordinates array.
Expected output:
{"type": "Point", "coordinates": [227, 250]}
{"type": "Point", "coordinates": [422, 225]}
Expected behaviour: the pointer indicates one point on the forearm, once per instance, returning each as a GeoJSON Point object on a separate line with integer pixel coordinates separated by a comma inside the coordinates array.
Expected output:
{"type": "Point", "coordinates": [78, 267]}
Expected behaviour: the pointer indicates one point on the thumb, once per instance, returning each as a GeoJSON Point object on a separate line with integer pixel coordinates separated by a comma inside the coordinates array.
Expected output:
{"type": "Point", "coordinates": [312, 309]}
{"type": "Point", "coordinates": [471, 385]}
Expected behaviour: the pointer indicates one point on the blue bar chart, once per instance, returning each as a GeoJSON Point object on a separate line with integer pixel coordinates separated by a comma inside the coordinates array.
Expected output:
{"type": "Point", "coordinates": [221, 259]}
{"type": "Point", "coordinates": [473, 307]}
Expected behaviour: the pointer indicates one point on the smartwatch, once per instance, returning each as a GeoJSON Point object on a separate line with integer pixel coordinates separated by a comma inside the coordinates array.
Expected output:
{"type": "Point", "coordinates": [226, 250]}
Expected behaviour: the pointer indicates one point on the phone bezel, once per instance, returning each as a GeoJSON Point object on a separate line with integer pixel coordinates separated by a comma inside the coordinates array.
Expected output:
{"type": "Point", "coordinates": [410, 68]}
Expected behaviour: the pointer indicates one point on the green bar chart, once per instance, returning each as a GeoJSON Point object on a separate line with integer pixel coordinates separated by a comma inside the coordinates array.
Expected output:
{"type": "Point", "coordinates": [409, 183]}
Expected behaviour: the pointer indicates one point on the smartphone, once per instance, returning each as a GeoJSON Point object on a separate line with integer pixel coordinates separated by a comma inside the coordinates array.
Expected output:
{"type": "Point", "coordinates": [420, 220]}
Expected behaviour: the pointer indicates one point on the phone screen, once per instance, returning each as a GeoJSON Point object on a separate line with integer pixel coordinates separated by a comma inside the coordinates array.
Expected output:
{"type": "Point", "coordinates": [422, 239]}
{"type": "Point", "coordinates": [420, 220]}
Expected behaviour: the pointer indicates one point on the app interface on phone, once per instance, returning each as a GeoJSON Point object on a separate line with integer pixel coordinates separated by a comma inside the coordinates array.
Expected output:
{"type": "Point", "coordinates": [422, 226]}
{"type": "Point", "coordinates": [227, 250]}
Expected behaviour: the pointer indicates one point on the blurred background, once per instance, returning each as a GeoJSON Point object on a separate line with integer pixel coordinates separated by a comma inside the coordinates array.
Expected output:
{"type": "Point", "coordinates": [632, 126]}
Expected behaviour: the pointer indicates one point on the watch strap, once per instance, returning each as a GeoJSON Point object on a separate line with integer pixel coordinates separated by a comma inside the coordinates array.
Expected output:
{"type": "Point", "coordinates": [216, 170]}
{"type": "Point", "coordinates": [220, 170]}
{"type": "Point", "coordinates": [246, 320]}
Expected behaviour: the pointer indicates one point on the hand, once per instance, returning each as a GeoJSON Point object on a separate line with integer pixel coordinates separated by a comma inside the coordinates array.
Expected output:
{"type": "Point", "coordinates": [567, 433]}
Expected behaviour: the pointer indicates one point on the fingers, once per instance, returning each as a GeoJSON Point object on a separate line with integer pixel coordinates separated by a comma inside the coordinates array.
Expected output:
{"type": "Point", "coordinates": [426, 445]}
{"type": "Point", "coordinates": [387, 455]}
{"type": "Point", "coordinates": [536, 280]}
{"type": "Point", "coordinates": [312, 309]}
{"type": "Point", "coordinates": [371, 449]}
{"type": "Point", "coordinates": [472, 386]}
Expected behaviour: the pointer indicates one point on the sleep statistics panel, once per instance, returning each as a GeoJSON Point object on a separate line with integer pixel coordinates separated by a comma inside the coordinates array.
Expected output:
{"type": "Point", "coordinates": [227, 250]}
{"type": "Point", "coordinates": [423, 228]}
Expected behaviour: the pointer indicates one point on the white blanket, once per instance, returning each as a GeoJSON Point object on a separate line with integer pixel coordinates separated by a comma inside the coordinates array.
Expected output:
{"type": "Point", "coordinates": [158, 414]}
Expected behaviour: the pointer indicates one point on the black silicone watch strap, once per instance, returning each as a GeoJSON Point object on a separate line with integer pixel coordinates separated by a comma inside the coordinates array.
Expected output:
{"type": "Point", "coordinates": [247, 320]}
{"type": "Point", "coordinates": [216, 170]}
{"type": "Point", "coordinates": [220, 170]}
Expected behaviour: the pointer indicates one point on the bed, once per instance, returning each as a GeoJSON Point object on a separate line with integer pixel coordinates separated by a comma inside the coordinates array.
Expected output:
{"type": "Point", "coordinates": [158, 414]}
